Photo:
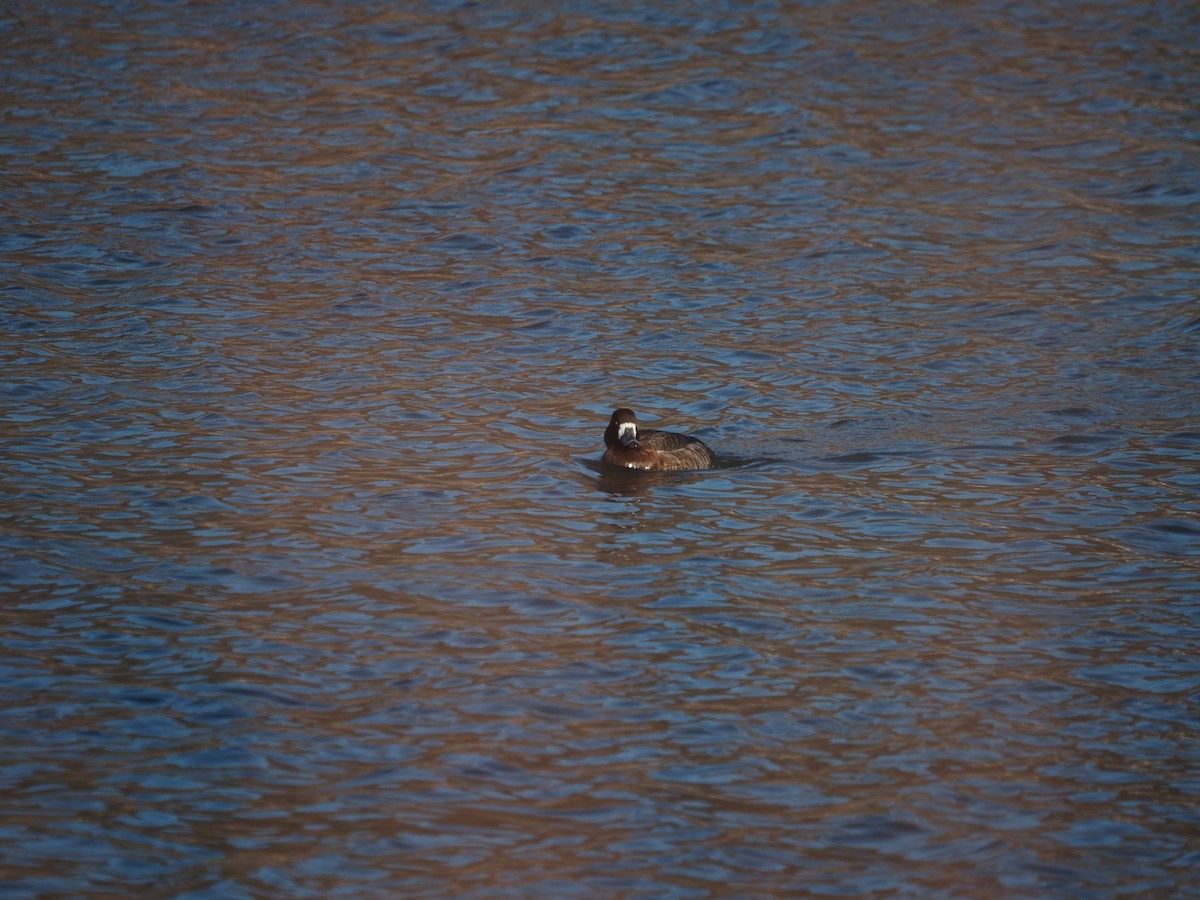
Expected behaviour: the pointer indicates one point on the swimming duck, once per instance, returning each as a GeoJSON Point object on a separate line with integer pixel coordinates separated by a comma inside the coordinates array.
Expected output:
{"type": "Point", "coordinates": [653, 450]}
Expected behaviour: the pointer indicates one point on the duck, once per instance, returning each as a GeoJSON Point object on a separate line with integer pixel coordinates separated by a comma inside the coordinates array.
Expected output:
{"type": "Point", "coordinates": [628, 447]}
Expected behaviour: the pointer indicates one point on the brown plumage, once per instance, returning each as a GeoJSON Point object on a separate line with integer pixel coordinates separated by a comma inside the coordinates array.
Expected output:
{"type": "Point", "coordinates": [631, 448]}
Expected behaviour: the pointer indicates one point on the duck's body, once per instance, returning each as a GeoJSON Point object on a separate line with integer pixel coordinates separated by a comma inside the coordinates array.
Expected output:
{"type": "Point", "coordinates": [629, 447]}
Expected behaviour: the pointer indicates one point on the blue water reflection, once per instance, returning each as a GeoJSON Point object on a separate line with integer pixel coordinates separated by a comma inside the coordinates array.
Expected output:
{"type": "Point", "coordinates": [312, 318]}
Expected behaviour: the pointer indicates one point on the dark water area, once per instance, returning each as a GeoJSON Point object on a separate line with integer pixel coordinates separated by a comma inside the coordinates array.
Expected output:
{"type": "Point", "coordinates": [311, 320]}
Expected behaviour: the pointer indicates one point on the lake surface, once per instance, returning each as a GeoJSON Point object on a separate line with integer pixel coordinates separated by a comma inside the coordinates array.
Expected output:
{"type": "Point", "coordinates": [311, 320]}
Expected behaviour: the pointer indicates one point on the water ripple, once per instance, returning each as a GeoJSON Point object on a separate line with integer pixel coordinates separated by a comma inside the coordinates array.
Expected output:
{"type": "Point", "coordinates": [311, 325]}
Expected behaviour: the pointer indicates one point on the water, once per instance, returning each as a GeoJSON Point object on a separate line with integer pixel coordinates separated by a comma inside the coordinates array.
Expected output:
{"type": "Point", "coordinates": [313, 317]}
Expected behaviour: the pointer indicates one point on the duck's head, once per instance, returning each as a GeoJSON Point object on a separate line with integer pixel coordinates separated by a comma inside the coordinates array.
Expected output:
{"type": "Point", "coordinates": [622, 430]}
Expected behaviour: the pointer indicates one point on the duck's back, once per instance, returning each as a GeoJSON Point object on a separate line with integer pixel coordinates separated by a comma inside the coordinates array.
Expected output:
{"type": "Point", "coordinates": [675, 451]}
